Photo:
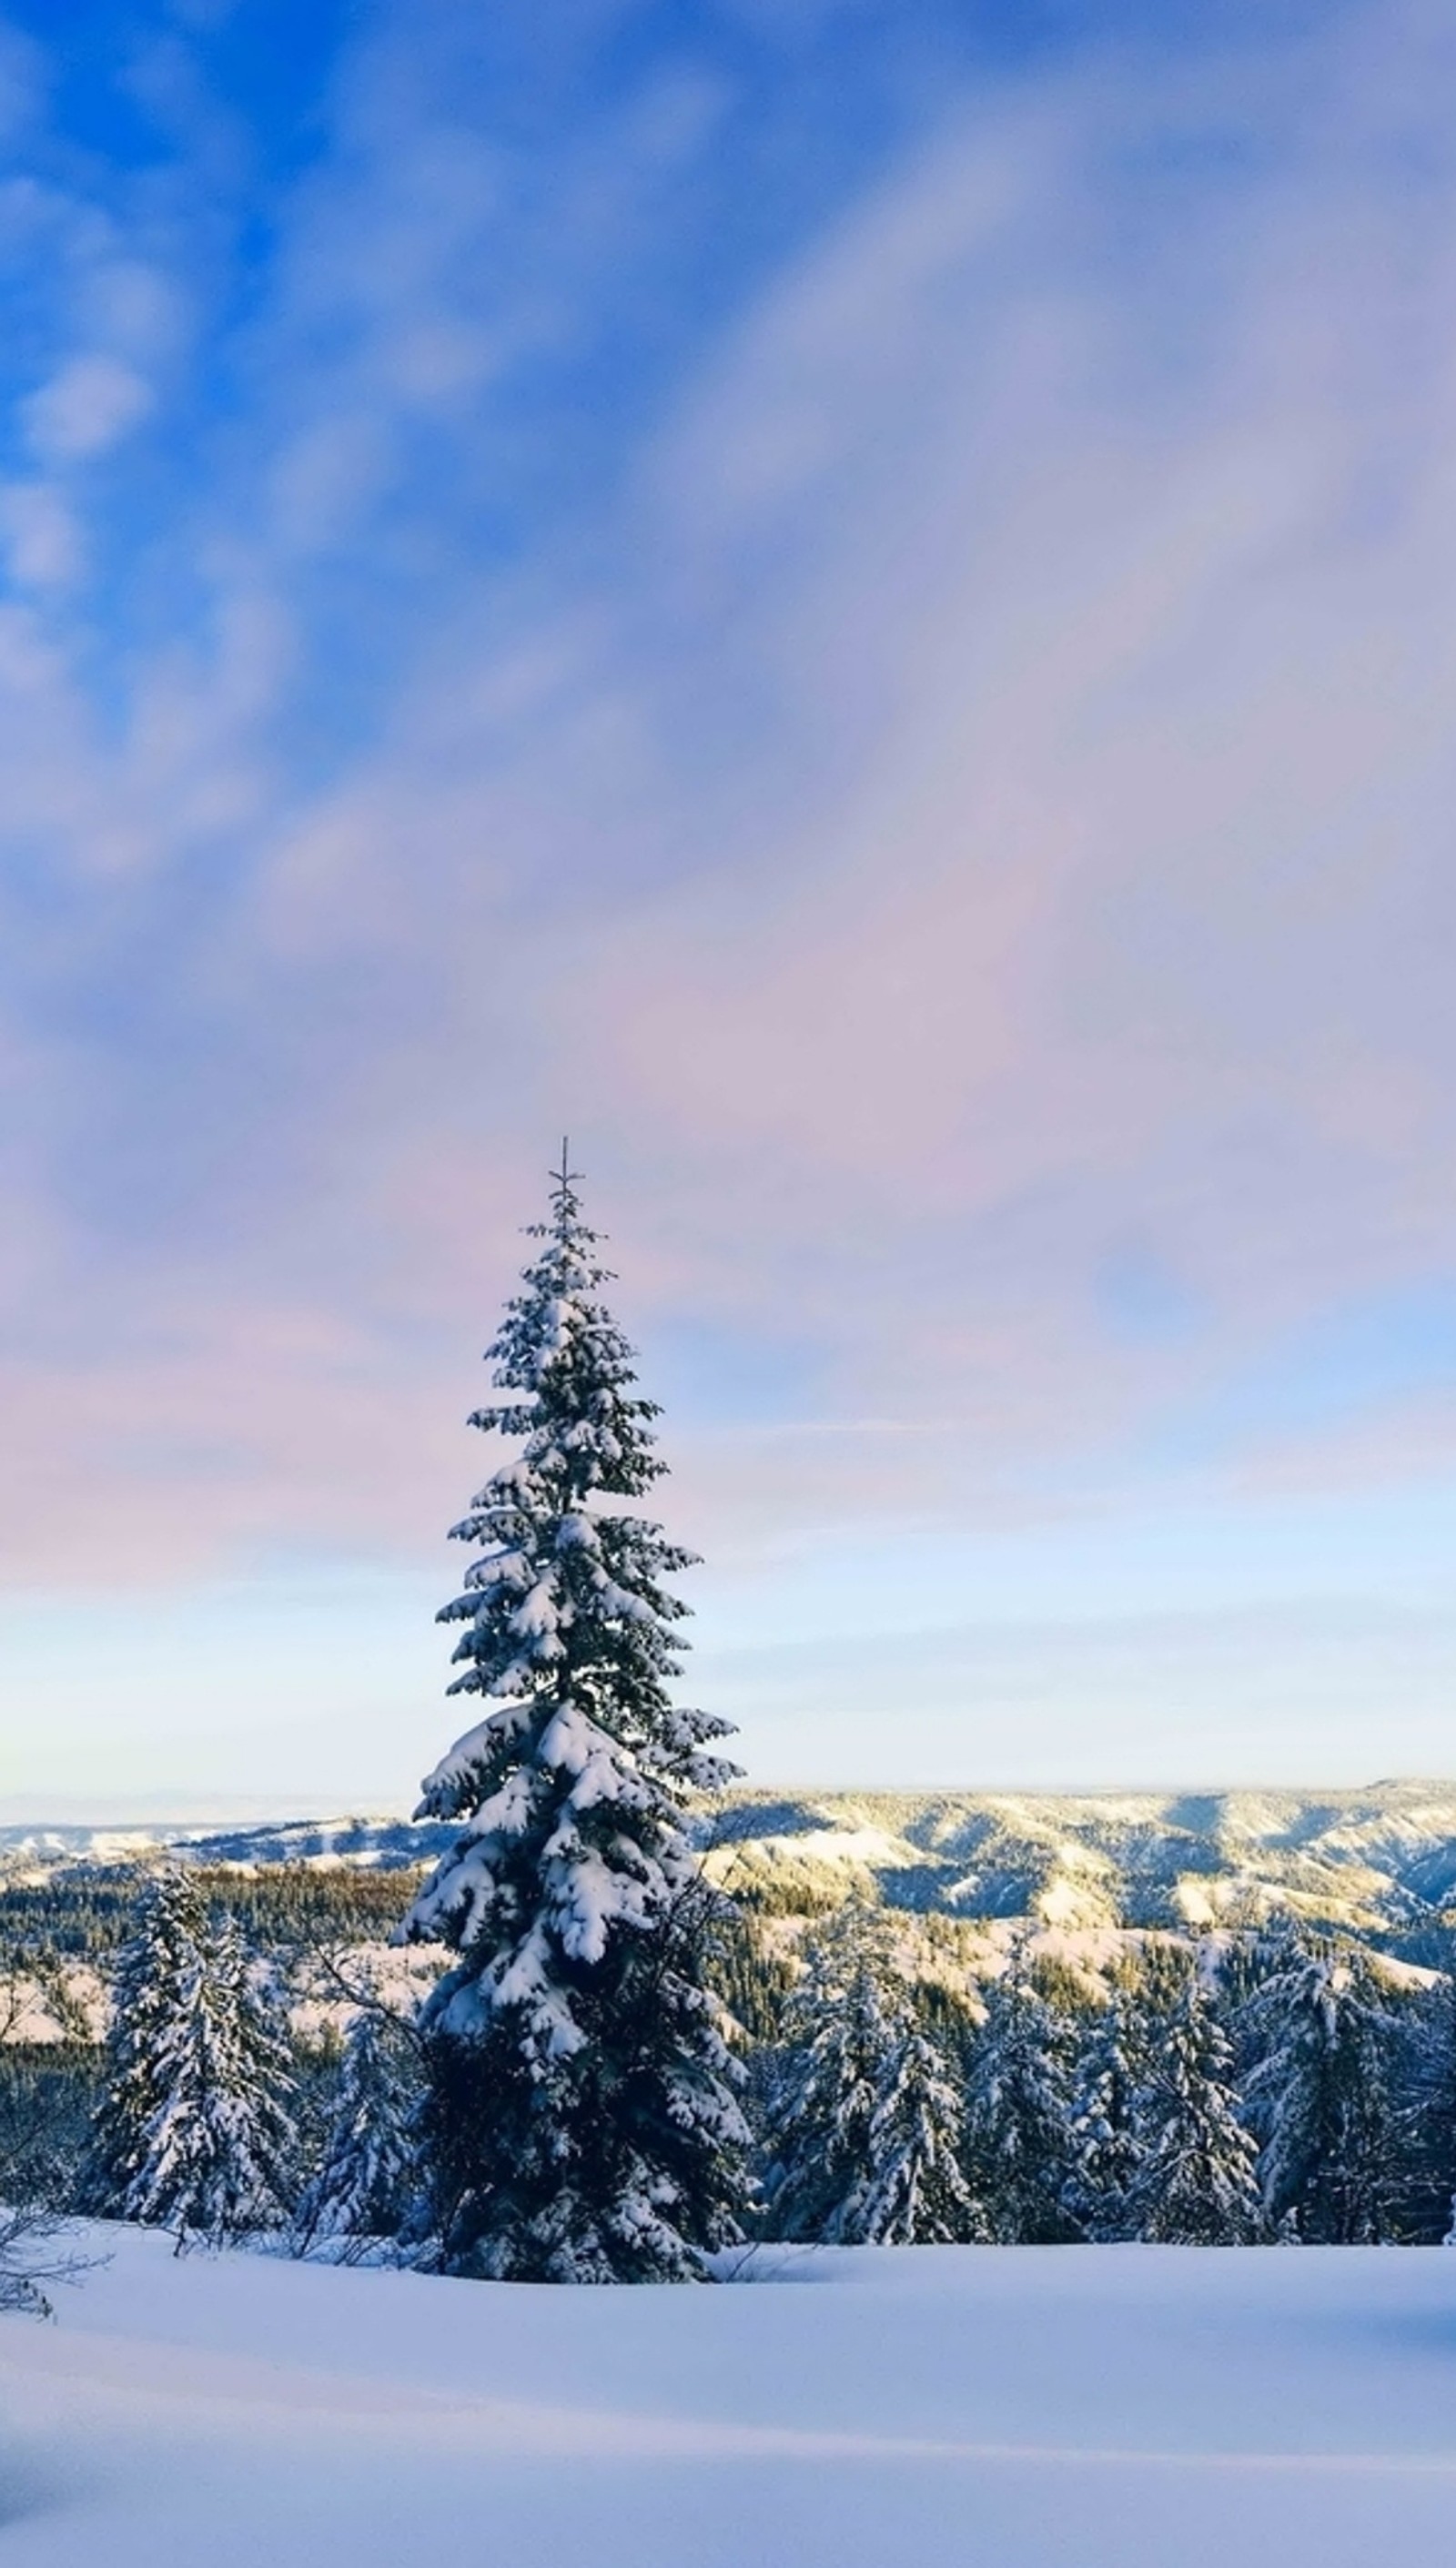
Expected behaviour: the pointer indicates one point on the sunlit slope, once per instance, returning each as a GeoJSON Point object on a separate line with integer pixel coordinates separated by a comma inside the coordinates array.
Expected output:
{"type": "Point", "coordinates": [1380, 1859]}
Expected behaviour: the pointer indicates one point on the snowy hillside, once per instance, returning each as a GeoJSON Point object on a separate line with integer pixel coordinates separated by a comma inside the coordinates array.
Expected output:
{"type": "Point", "coordinates": [386, 1845]}
{"type": "Point", "coordinates": [1118, 2407]}
{"type": "Point", "coordinates": [1382, 1859]}
{"type": "Point", "coordinates": [1379, 1858]}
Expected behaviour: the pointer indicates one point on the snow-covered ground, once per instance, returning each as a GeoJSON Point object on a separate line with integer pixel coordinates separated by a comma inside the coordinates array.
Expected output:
{"type": "Point", "coordinates": [1011, 2408]}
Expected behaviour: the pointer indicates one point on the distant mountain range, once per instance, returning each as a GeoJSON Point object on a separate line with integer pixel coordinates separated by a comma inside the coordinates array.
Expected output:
{"type": "Point", "coordinates": [1381, 1860]}
{"type": "Point", "coordinates": [386, 1845]}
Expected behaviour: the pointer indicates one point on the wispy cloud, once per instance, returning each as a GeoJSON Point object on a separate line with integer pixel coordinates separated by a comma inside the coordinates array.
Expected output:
{"type": "Point", "coordinates": [927, 744]}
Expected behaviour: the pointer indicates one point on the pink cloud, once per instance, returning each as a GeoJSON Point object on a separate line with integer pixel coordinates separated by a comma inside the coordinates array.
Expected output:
{"type": "Point", "coordinates": [1078, 869]}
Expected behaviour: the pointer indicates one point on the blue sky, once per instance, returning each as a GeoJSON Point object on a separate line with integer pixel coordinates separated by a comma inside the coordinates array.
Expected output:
{"type": "Point", "coordinates": [855, 604]}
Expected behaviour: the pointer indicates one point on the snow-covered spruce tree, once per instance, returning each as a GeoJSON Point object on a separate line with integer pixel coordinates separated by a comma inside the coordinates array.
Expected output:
{"type": "Point", "coordinates": [1326, 2037]}
{"type": "Point", "coordinates": [196, 2128]}
{"type": "Point", "coordinates": [864, 2123]}
{"type": "Point", "coordinates": [581, 2124]}
{"type": "Point", "coordinates": [364, 2188]}
{"type": "Point", "coordinates": [1195, 2183]}
{"type": "Point", "coordinates": [1018, 2113]}
{"type": "Point", "coordinates": [152, 1969]}
{"type": "Point", "coordinates": [1103, 2127]}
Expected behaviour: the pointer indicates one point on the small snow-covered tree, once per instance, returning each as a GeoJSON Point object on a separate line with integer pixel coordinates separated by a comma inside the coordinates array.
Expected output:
{"type": "Point", "coordinates": [365, 2186]}
{"type": "Point", "coordinates": [194, 2133]}
{"type": "Point", "coordinates": [1325, 2036]}
{"type": "Point", "coordinates": [864, 2124]}
{"type": "Point", "coordinates": [1103, 2123]}
{"type": "Point", "coordinates": [219, 2143]}
{"type": "Point", "coordinates": [1195, 2183]}
{"type": "Point", "coordinates": [152, 1971]}
{"type": "Point", "coordinates": [1017, 2113]}
{"type": "Point", "coordinates": [917, 2193]}
{"type": "Point", "coordinates": [582, 2122]}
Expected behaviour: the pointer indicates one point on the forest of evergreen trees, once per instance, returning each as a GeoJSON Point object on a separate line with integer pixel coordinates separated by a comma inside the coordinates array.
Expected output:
{"type": "Point", "coordinates": [1276, 2086]}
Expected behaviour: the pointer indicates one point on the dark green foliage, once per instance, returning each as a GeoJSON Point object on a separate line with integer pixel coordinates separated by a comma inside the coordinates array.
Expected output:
{"type": "Point", "coordinates": [86, 1911]}
{"type": "Point", "coordinates": [316, 2066]}
{"type": "Point", "coordinates": [83, 1912]}
{"type": "Point", "coordinates": [786, 1892]}
{"type": "Point", "coordinates": [296, 1905]}
{"type": "Point", "coordinates": [948, 2018]}
{"type": "Point", "coordinates": [47, 2093]}
{"type": "Point", "coordinates": [752, 1981]}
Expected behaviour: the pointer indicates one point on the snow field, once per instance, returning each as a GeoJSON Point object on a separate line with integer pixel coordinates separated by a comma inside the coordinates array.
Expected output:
{"type": "Point", "coordinates": [880, 2407]}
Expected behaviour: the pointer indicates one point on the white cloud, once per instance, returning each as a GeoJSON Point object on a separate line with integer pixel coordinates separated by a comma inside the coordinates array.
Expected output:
{"type": "Point", "coordinates": [87, 404]}
{"type": "Point", "coordinates": [40, 535]}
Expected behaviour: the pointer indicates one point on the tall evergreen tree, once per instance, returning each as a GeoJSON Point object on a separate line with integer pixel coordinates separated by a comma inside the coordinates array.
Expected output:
{"type": "Point", "coordinates": [1326, 2037]}
{"type": "Point", "coordinates": [194, 2133]}
{"type": "Point", "coordinates": [1195, 2182]}
{"type": "Point", "coordinates": [864, 2127]}
{"type": "Point", "coordinates": [582, 2123]}
{"type": "Point", "coordinates": [1018, 2114]}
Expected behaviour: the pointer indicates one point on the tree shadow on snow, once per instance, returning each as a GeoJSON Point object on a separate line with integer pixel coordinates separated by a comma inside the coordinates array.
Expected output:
{"type": "Point", "coordinates": [33, 2484]}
